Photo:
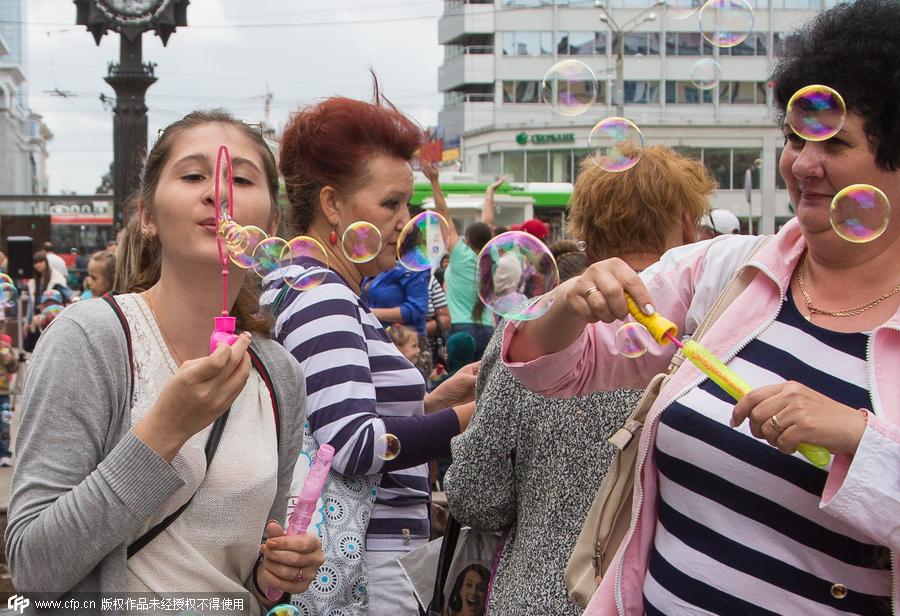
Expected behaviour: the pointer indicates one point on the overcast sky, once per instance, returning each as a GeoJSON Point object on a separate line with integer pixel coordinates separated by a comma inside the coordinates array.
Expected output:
{"type": "Point", "coordinates": [303, 50]}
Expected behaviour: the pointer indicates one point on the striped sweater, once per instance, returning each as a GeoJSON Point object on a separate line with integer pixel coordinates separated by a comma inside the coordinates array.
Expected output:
{"type": "Point", "coordinates": [360, 389]}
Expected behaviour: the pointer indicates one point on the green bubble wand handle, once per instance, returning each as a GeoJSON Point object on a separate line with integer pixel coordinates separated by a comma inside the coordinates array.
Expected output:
{"type": "Point", "coordinates": [712, 366]}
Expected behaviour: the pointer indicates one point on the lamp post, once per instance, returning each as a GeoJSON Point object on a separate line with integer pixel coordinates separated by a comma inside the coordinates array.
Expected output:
{"type": "Point", "coordinates": [130, 78]}
{"type": "Point", "coordinates": [619, 32]}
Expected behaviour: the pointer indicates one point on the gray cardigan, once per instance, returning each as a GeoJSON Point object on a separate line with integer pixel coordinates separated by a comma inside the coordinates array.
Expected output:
{"type": "Point", "coordinates": [83, 483]}
{"type": "Point", "coordinates": [531, 464]}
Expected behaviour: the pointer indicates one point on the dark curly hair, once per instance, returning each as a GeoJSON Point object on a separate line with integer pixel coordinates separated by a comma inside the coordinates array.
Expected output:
{"type": "Point", "coordinates": [855, 49]}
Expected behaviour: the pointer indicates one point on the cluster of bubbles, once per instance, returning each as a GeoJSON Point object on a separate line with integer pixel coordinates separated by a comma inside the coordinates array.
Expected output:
{"type": "Point", "coordinates": [422, 242]}
{"type": "Point", "coordinates": [858, 213]}
{"type": "Point", "coordinates": [284, 609]}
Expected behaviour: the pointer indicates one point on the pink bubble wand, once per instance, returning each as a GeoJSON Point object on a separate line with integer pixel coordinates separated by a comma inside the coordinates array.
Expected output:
{"type": "Point", "coordinates": [224, 325]}
{"type": "Point", "coordinates": [305, 506]}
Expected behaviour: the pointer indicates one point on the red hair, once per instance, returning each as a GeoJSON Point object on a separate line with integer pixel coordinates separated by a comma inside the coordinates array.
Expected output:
{"type": "Point", "coordinates": [330, 143]}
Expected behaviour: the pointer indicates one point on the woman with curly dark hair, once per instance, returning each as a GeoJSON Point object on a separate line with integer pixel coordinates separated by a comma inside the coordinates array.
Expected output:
{"type": "Point", "coordinates": [728, 518]}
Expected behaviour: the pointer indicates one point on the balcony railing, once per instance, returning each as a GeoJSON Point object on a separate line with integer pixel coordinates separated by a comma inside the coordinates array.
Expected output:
{"type": "Point", "coordinates": [452, 99]}
{"type": "Point", "coordinates": [456, 6]}
{"type": "Point", "coordinates": [455, 51]}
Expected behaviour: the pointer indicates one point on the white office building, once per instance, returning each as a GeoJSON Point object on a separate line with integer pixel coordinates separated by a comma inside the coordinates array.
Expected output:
{"type": "Point", "coordinates": [498, 51]}
{"type": "Point", "coordinates": [23, 134]}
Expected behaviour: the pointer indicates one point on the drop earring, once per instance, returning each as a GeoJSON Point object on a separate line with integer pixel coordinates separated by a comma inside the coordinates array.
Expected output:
{"type": "Point", "coordinates": [332, 237]}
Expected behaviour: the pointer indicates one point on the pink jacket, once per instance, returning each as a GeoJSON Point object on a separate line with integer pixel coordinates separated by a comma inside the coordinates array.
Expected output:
{"type": "Point", "coordinates": [862, 490]}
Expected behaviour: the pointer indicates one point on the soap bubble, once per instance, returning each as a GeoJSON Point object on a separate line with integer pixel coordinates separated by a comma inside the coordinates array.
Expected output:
{"type": "Point", "coordinates": [267, 255]}
{"type": "Point", "coordinates": [284, 609]}
{"type": "Point", "coordinates": [860, 213]}
{"type": "Point", "coordinates": [726, 23]}
{"type": "Point", "coordinates": [6, 278]}
{"type": "Point", "coordinates": [306, 263]}
{"type": "Point", "coordinates": [680, 9]}
{"type": "Point", "coordinates": [387, 447]}
{"type": "Point", "coordinates": [233, 235]}
{"type": "Point", "coordinates": [423, 241]}
{"type": "Point", "coordinates": [616, 144]}
{"type": "Point", "coordinates": [633, 339]}
{"type": "Point", "coordinates": [816, 113]}
{"type": "Point", "coordinates": [245, 259]}
{"type": "Point", "coordinates": [569, 87]}
{"type": "Point", "coordinates": [705, 73]}
{"type": "Point", "coordinates": [361, 241]}
{"type": "Point", "coordinates": [516, 274]}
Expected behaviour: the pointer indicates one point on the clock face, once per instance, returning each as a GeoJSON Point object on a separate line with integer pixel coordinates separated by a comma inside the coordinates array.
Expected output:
{"type": "Point", "coordinates": [131, 12]}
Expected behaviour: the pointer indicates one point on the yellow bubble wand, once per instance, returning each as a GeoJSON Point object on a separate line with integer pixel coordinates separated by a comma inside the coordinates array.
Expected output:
{"type": "Point", "coordinates": [664, 331]}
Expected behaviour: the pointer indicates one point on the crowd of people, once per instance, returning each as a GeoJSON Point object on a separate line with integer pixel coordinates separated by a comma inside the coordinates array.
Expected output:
{"type": "Point", "coordinates": [187, 461]}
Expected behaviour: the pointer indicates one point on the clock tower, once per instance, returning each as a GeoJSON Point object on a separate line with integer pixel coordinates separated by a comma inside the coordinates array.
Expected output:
{"type": "Point", "coordinates": [130, 78]}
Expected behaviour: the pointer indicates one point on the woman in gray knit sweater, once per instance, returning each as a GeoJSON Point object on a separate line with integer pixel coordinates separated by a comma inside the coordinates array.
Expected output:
{"type": "Point", "coordinates": [533, 464]}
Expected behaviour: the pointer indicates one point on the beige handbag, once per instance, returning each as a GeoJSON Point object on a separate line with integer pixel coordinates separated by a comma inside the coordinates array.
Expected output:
{"type": "Point", "coordinates": [609, 517]}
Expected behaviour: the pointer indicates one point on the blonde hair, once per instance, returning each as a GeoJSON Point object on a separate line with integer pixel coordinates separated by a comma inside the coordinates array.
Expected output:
{"type": "Point", "coordinates": [400, 334]}
{"type": "Point", "coordinates": [139, 257]}
{"type": "Point", "coordinates": [633, 211]}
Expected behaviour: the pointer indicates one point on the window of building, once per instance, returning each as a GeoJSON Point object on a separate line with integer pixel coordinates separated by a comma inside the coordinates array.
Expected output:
{"type": "Point", "coordinates": [561, 166]}
{"type": "Point", "coordinates": [718, 161]}
{"type": "Point", "coordinates": [755, 44]}
{"type": "Point", "coordinates": [521, 91]}
{"type": "Point", "coordinates": [536, 166]}
{"type": "Point", "coordinates": [580, 43]}
{"type": "Point", "coordinates": [490, 164]}
{"type": "Point", "coordinates": [687, 44]}
{"type": "Point", "coordinates": [779, 181]}
{"type": "Point", "coordinates": [645, 43]}
{"type": "Point", "coordinates": [742, 92]}
{"type": "Point", "coordinates": [514, 166]}
{"type": "Point", "coordinates": [686, 92]}
{"type": "Point", "coordinates": [741, 160]}
{"type": "Point", "coordinates": [778, 42]}
{"type": "Point", "coordinates": [642, 92]}
{"type": "Point", "coordinates": [526, 3]}
{"type": "Point", "coordinates": [527, 43]}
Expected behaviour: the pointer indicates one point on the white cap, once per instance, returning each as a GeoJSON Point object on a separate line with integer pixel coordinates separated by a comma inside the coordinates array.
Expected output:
{"type": "Point", "coordinates": [722, 222]}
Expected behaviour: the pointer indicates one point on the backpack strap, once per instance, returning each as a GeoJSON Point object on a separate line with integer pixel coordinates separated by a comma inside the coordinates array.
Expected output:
{"type": "Point", "coordinates": [109, 299]}
{"type": "Point", "coordinates": [267, 379]}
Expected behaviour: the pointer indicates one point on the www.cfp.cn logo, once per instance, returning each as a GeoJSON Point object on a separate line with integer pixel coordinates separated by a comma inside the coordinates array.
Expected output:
{"type": "Point", "coordinates": [18, 604]}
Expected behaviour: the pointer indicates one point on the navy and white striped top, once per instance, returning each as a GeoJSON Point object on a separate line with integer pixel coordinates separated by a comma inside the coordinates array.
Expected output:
{"type": "Point", "coordinates": [359, 387]}
{"type": "Point", "coordinates": [739, 529]}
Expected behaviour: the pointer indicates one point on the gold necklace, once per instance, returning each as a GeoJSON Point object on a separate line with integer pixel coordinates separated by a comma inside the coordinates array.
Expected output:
{"type": "Point", "coordinates": [150, 303]}
{"type": "Point", "coordinates": [848, 312]}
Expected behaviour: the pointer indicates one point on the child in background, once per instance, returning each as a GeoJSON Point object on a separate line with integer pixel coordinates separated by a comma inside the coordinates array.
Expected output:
{"type": "Point", "coordinates": [8, 366]}
{"type": "Point", "coordinates": [406, 340]}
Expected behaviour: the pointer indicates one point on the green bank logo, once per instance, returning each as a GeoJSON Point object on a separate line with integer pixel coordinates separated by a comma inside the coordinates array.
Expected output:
{"type": "Point", "coordinates": [523, 138]}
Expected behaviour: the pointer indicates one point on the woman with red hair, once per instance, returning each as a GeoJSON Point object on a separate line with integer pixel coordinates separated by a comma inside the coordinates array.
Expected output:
{"type": "Point", "coordinates": [345, 161]}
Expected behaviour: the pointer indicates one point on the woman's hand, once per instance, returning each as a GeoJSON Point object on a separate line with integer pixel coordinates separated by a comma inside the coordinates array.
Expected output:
{"type": "Point", "coordinates": [201, 390]}
{"type": "Point", "coordinates": [599, 293]}
{"type": "Point", "coordinates": [458, 389]}
{"type": "Point", "coordinates": [801, 415]}
{"type": "Point", "coordinates": [289, 563]}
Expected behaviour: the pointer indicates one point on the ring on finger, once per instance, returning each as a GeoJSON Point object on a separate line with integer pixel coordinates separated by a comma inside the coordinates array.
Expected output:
{"type": "Point", "coordinates": [587, 293]}
{"type": "Point", "coordinates": [774, 421]}
{"type": "Point", "coordinates": [299, 577]}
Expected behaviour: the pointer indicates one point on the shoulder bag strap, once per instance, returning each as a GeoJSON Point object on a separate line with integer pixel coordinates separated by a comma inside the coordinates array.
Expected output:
{"type": "Point", "coordinates": [212, 443]}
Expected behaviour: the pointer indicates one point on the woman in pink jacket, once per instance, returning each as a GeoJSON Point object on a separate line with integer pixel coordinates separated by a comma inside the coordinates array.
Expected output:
{"type": "Point", "coordinates": [728, 518]}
